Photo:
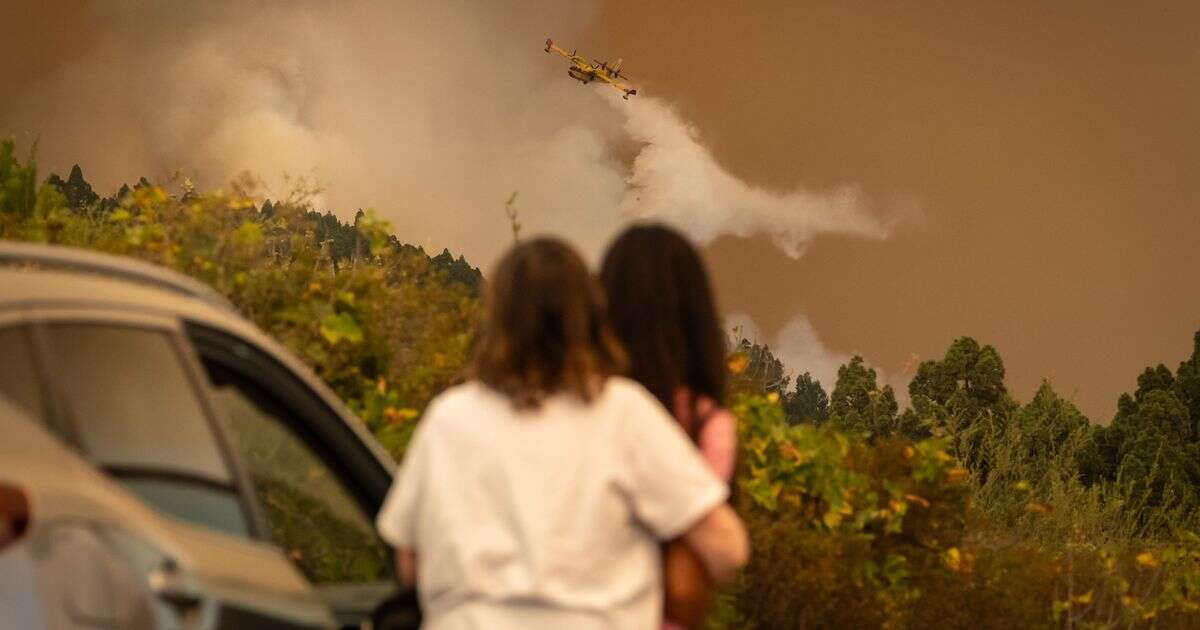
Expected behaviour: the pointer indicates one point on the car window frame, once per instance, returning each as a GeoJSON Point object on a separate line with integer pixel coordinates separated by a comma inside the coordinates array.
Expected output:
{"type": "Point", "coordinates": [28, 331]}
{"type": "Point", "coordinates": [325, 431]}
{"type": "Point", "coordinates": [322, 429]}
{"type": "Point", "coordinates": [63, 419]}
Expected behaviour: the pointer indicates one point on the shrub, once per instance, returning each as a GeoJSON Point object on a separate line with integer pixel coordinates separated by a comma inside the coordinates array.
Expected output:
{"type": "Point", "coordinates": [851, 534]}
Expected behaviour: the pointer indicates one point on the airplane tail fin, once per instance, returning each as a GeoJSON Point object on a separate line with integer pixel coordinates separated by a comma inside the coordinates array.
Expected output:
{"type": "Point", "coordinates": [630, 92]}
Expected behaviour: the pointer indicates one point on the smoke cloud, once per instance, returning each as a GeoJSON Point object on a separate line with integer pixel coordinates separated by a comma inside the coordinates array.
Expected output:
{"type": "Point", "coordinates": [433, 113]}
{"type": "Point", "coordinates": [800, 348]}
{"type": "Point", "coordinates": [676, 179]}
{"type": "Point", "coordinates": [797, 345]}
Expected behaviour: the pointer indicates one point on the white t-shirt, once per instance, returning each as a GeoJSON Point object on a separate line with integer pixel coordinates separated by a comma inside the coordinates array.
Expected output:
{"type": "Point", "coordinates": [549, 518]}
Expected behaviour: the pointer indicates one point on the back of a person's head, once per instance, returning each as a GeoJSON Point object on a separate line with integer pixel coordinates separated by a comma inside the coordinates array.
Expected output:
{"type": "Point", "coordinates": [544, 328]}
{"type": "Point", "coordinates": [662, 309]}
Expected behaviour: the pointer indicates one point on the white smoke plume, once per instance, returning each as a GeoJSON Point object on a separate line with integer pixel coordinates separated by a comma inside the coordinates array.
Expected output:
{"type": "Point", "coordinates": [797, 345]}
{"type": "Point", "coordinates": [800, 348]}
{"type": "Point", "coordinates": [433, 113]}
{"type": "Point", "coordinates": [676, 179]}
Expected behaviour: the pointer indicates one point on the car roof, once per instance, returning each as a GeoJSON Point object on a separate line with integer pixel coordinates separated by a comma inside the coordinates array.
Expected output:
{"type": "Point", "coordinates": [114, 267]}
{"type": "Point", "coordinates": [49, 276]}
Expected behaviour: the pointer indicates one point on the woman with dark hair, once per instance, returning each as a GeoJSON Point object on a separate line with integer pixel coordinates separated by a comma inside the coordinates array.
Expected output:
{"type": "Point", "coordinates": [536, 494]}
{"type": "Point", "coordinates": [661, 307]}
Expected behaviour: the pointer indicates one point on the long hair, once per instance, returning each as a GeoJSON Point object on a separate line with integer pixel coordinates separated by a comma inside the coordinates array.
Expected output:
{"type": "Point", "coordinates": [662, 308]}
{"type": "Point", "coordinates": [544, 328]}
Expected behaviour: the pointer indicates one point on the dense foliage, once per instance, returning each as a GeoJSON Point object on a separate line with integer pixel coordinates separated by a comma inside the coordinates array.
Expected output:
{"type": "Point", "coordinates": [968, 509]}
{"type": "Point", "coordinates": [384, 324]}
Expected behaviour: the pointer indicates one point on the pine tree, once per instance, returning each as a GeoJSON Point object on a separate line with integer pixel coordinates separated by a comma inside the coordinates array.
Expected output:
{"type": "Point", "coordinates": [859, 405]}
{"type": "Point", "coordinates": [807, 403]}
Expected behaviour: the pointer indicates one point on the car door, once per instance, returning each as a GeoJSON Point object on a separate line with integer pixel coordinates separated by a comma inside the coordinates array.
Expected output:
{"type": "Point", "coordinates": [317, 482]}
{"type": "Point", "coordinates": [128, 394]}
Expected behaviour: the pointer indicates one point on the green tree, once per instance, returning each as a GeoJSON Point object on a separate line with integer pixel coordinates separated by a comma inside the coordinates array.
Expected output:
{"type": "Point", "coordinates": [1047, 423]}
{"type": "Point", "coordinates": [77, 191]}
{"type": "Point", "coordinates": [18, 184]}
{"type": "Point", "coordinates": [859, 405]}
{"type": "Point", "coordinates": [807, 402]}
{"type": "Point", "coordinates": [1150, 450]}
{"type": "Point", "coordinates": [963, 397]}
{"type": "Point", "coordinates": [1157, 460]}
{"type": "Point", "coordinates": [1187, 386]}
{"type": "Point", "coordinates": [1153, 407]}
{"type": "Point", "coordinates": [761, 372]}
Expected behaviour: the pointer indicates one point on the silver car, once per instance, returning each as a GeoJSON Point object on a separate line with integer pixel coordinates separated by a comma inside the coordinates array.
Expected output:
{"type": "Point", "coordinates": [164, 464]}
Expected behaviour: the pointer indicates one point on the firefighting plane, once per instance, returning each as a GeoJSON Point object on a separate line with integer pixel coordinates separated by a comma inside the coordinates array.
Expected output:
{"type": "Point", "coordinates": [586, 71]}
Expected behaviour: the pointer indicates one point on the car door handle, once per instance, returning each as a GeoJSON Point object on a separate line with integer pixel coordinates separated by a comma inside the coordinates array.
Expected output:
{"type": "Point", "coordinates": [170, 585]}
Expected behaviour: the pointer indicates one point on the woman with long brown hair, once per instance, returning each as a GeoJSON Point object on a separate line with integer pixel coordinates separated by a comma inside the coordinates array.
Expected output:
{"type": "Point", "coordinates": [662, 308]}
{"type": "Point", "coordinates": [536, 494]}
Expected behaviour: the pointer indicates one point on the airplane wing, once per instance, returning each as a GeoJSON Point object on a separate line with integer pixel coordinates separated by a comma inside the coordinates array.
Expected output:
{"type": "Point", "coordinates": [552, 47]}
{"type": "Point", "coordinates": [607, 78]}
{"type": "Point", "coordinates": [628, 91]}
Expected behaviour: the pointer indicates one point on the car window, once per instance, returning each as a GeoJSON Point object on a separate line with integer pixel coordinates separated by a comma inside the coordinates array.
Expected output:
{"type": "Point", "coordinates": [136, 413]}
{"type": "Point", "coordinates": [131, 400]}
{"type": "Point", "coordinates": [213, 507]}
{"type": "Point", "coordinates": [310, 511]}
{"type": "Point", "coordinates": [18, 374]}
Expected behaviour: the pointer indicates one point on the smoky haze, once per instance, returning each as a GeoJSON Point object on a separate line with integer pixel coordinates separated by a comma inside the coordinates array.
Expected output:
{"type": "Point", "coordinates": [869, 177]}
{"type": "Point", "coordinates": [1053, 146]}
{"type": "Point", "coordinates": [431, 113]}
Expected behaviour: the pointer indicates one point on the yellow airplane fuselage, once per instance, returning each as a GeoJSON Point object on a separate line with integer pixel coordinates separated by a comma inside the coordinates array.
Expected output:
{"type": "Point", "coordinates": [586, 72]}
{"type": "Point", "coordinates": [582, 72]}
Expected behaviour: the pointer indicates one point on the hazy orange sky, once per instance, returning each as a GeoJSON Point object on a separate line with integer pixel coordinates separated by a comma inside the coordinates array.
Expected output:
{"type": "Point", "coordinates": [1052, 148]}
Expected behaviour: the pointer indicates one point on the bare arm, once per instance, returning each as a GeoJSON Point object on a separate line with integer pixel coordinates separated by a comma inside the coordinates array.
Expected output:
{"type": "Point", "coordinates": [688, 590]}
{"type": "Point", "coordinates": [406, 567]}
{"type": "Point", "coordinates": [719, 540]}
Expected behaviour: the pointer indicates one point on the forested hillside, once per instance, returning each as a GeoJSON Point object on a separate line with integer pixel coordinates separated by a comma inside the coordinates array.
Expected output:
{"type": "Point", "coordinates": [970, 509]}
{"type": "Point", "coordinates": [385, 324]}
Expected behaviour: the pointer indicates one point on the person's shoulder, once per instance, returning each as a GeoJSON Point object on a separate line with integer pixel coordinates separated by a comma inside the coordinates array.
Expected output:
{"type": "Point", "coordinates": [453, 395]}
{"type": "Point", "coordinates": [457, 401]}
{"type": "Point", "coordinates": [630, 404]}
{"type": "Point", "coordinates": [623, 390]}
